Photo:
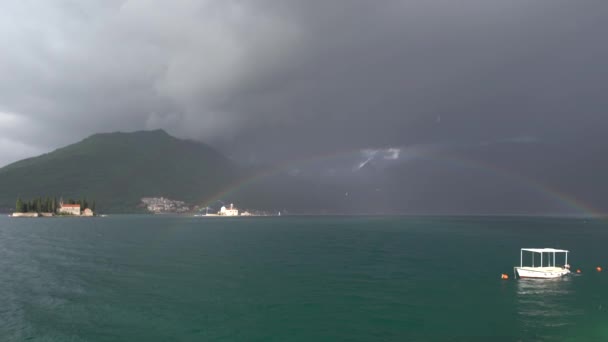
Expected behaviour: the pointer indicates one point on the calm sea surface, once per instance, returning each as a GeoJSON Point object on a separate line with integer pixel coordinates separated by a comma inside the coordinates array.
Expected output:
{"type": "Point", "coordinates": [161, 278]}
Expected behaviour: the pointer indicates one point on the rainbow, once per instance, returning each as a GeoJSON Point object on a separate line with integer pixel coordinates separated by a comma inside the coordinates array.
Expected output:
{"type": "Point", "coordinates": [243, 183]}
{"type": "Point", "coordinates": [566, 200]}
{"type": "Point", "coordinates": [569, 202]}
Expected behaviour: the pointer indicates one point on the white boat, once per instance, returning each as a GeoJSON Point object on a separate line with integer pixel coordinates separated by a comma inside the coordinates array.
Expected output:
{"type": "Point", "coordinates": [542, 271]}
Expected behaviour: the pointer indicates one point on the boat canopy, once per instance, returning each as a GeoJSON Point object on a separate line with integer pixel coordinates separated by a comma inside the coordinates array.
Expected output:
{"type": "Point", "coordinates": [542, 251]}
{"type": "Point", "coordinates": [545, 250]}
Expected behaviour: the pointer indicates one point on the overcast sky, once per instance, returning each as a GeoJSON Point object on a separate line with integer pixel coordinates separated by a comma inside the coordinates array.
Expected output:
{"type": "Point", "coordinates": [278, 79]}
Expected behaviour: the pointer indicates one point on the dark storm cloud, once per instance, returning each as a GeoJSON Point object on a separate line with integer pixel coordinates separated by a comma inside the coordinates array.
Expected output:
{"type": "Point", "coordinates": [277, 79]}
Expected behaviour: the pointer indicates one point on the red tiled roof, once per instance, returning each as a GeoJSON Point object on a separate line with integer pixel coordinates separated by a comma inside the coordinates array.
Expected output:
{"type": "Point", "coordinates": [71, 205]}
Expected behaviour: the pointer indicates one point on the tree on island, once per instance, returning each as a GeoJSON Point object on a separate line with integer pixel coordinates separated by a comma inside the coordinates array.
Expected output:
{"type": "Point", "coordinates": [19, 205]}
{"type": "Point", "coordinates": [81, 202]}
{"type": "Point", "coordinates": [47, 205]}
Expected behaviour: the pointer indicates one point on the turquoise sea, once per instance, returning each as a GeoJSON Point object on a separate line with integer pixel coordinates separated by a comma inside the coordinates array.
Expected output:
{"type": "Point", "coordinates": [164, 278]}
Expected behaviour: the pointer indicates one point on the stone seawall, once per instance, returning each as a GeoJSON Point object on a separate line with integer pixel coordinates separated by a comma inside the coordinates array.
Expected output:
{"type": "Point", "coordinates": [26, 215]}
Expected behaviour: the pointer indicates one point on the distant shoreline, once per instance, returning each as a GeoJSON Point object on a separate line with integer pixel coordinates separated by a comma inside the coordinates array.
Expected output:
{"type": "Point", "coordinates": [423, 215]}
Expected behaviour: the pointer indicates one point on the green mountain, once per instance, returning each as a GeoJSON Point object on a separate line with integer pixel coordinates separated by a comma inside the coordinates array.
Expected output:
{"type": "Point", "coordinates": [118, 169]}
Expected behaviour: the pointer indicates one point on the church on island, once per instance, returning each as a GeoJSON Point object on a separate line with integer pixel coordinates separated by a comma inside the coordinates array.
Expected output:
{"type": "Point", "coordinates": [69, 209]}
{"type": "Point", "coordinates": [74, 209]}
{"type": "Point", "coordinates": [232, 211]}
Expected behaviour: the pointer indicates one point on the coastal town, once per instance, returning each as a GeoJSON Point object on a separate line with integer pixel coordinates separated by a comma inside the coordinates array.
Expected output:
{"type": "Point", "coordinates": [162, 205]}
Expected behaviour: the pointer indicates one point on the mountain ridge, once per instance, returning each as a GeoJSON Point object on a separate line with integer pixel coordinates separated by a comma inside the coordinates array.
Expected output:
{"type": "Point", "coordinates": [119, 168]}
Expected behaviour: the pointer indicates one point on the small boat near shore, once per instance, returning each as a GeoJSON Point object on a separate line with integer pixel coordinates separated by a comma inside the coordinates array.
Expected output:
{"type": "Point", "coordinates": [546, 268]}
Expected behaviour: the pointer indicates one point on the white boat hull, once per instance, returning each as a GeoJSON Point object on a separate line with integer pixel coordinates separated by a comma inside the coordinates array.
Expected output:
{"type": "Point", "coordinates": [541, 272]}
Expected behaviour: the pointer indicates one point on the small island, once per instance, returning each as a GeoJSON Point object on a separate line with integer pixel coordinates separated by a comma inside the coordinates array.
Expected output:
{"type": "Point", "coordinates": [52, 207]}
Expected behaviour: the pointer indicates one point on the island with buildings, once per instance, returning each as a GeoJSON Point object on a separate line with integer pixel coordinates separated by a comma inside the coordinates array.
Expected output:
{"type": "Point", "coordinates": [52, 207]}
{"type": "Point", "coordinates": [232, 211]}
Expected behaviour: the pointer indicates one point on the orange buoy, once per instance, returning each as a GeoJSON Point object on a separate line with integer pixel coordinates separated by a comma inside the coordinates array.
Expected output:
{"type": "Point", "coordinates": [599, 269]}
{"type": "Point", "coordinates": [578, 271]}
{"type": "Point", "coordinates": [504, 276]}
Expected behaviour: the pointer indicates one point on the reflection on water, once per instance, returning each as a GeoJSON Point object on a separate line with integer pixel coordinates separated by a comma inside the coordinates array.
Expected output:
{"type": "Point", "coordinates": [545, 303]}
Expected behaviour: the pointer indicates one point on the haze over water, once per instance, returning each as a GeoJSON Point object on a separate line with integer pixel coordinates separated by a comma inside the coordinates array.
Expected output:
{"type": "Point", "coordinates": [151, 278]}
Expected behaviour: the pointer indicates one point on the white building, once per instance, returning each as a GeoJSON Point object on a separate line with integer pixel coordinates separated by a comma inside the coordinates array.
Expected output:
{"type": "Point", "coordinates": [88, 212]}
{"type": "Point", "coordinates": [232, 211]}
{"type": "Point", "coordinates": [70, 209]}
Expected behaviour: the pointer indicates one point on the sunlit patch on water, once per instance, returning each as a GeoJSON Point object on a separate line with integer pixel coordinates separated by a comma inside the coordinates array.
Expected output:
{"type": "Point", "coordinates": [545, 305]}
